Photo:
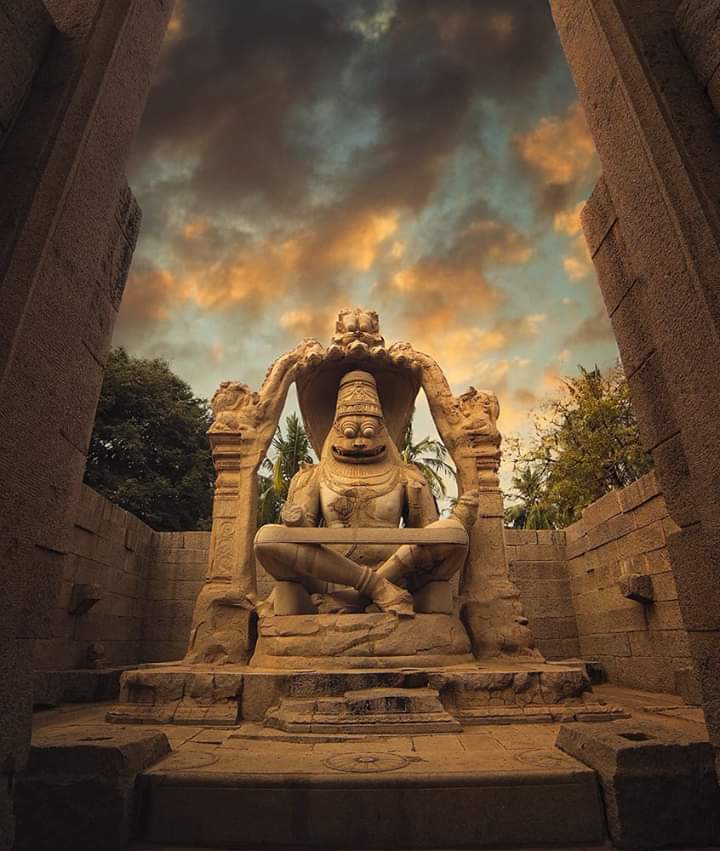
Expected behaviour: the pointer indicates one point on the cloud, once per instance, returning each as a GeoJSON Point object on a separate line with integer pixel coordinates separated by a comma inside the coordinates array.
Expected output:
{"type": "Point", "coordinates": [578, 262]}
{"type": "Point", "coordinates": [450, 286]}
{"type": "Point", "coordinates": [593, 329]}
{"type": "Point", "coordinates": [559, 155]}
{"type": "Point", "coordinates": [296, 158]}
{"type": "Point", "coordinates": [149, 292]}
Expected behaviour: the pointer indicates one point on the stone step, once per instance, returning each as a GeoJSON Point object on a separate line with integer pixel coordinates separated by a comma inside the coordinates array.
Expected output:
{"type": "Point", "coordinates": [372, 801]}
{"type": "Point", "coordinates": [384, 710]}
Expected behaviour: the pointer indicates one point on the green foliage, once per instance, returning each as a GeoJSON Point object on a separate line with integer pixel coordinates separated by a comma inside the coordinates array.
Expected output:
{"type": "Point", "coordinates": [290, 450]}
{"type": "Point", "coordinates": [586, 443]}
{"type": "Point", "coordinates": [430, 457]}
{"type": "Point", "coordinates": [149, 450]}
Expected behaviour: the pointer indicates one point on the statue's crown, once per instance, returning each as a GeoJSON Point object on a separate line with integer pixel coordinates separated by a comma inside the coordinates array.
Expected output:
{"type": "Point", "coordinates": [358, 396]}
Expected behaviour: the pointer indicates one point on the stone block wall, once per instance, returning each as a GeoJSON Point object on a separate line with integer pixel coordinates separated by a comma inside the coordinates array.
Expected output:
{"type": "Point", "coordinates": [109, 557]}
{"type": "Point", "coordinates": [146, 582]}
{"type": "Point", "coordinates": [176, 574]}
{"type": "Point", "coordinates": [536, 560]}
{"type": "Point", "coordinates": [641, 645]}
{"type": "Point", "coordinates": [569, 583]}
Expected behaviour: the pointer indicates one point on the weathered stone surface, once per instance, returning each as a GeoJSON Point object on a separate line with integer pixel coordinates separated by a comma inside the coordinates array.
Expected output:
{"type": "Point", "coordinates": [655, 131]}
{"type": "Point", "coordinates": [79, 788]}
{"type": "Point", "coordinates": [244, 422]}
{"type": "Point", "coordinates": [369, 640]}
{"type": "Point", "coordinates": [81, 72]}
{"type": "Point", "coordinates": [221, 628]}
{"type": "Point", "coordinates": [185, 695]}
{"type": "Point", "coordinates": [377, 710]}
{"type": "Point", "coordinates": [51, 688]}
{"type": "Point", "coordinates": [659, 787]}
{"type": "Point", "coordinates": [637, 587]}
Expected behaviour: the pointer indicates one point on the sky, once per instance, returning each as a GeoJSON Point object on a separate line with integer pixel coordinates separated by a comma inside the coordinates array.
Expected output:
{"type": "Point", "coordinates": [425, 158]}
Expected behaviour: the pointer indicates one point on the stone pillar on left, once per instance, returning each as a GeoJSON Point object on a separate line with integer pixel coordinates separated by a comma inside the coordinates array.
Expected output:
{"type": "Point", "coordinates": [74, 77]}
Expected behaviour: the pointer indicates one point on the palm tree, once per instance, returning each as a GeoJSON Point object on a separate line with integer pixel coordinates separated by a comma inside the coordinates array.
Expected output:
{"type": "Point", "coordinates": [290, 450]}
{"type": "Point", "coordinates": [430, 457]}
{"type": "Point", "coordinates": [533, 510]}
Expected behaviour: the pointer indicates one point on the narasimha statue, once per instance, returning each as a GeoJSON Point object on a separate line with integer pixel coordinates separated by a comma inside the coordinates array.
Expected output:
{"type": "Point", "coordinates": [362, 483]}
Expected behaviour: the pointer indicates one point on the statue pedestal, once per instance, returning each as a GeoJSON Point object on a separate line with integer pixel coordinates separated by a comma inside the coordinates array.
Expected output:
{"type": "Point", "coordinates": [368, 641]}
{"type": "Point", "coordinates": [499, 691]}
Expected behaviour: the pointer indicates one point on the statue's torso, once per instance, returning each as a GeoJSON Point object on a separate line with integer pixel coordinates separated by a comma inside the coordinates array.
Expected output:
{"type": "Point", "coordinates": [361, 506]}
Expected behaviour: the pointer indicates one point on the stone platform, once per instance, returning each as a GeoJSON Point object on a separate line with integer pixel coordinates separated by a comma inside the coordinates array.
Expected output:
{"type": "Point", "coordinates": [495, 692]}
{"type": "Point", "coordinates": [442, 791]}
{"type": "Point", "coordinates": [252, 786]}
{"type": "Point", "coordinates": [380, 640]}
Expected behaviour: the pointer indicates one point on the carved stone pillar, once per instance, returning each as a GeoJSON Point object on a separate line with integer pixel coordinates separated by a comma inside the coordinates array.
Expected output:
{"type": "Point", "coordinates": [491, 608]}
{"type": "Point", "coordinates": [245, 421]}
{"type": "Point", "coordinates": [223, 620]}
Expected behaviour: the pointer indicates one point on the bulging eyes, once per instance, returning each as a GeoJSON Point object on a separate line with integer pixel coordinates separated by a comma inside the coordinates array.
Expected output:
{"type": "Point", "coordinates": [368, 430]}
{"type": "Point", "coordinates": [349, 431]}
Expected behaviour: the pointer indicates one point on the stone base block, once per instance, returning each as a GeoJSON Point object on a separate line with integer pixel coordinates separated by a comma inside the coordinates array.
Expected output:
{"type": "Point", "coordinates": [400, 804]}
{"type": "Point", "coordinates": [492, 693]}
{"type": "Point", "coordinates": [301, 642]}
{"type": "Point", "coordinates": [381, 710]}
{"type": "Point", "coordinates": [79, 788]}
{"type": "Point", "coordinates": [178, 695]}
{"type": "Point", "coordinates": [223, 627]}
{"type": "Point", "coordinates": [77, 685]}
{"type": "Point", "coordinates": [659, 786]}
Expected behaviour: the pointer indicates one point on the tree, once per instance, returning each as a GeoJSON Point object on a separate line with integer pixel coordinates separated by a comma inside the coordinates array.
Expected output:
{"type": "Point", "coordinates": [430, 457]}
{"type": "Point", "coordinates": [290, 451]}
{"type": "Point", "coordinates": [586, 443]}
{"type": "Point", "coordinates": [149, 451]}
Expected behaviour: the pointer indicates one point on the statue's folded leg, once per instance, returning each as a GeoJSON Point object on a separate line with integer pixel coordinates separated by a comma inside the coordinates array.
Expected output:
{"type": "Point", "coordinates": [418, 564]}
{"type": "Point", "coordinates": [293, 562]}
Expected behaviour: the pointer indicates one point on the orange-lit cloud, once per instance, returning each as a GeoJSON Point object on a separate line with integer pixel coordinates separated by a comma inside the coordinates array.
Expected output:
{"type": "Point", "coordinates": [578, 262]}
{"type": "Point", "coordinates": [149, 292]}
{"type": "Point", "coordinates": [561, 150]}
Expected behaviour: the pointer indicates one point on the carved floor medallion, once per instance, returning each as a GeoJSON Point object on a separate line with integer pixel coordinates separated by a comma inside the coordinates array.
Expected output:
{"type": "Point", "coordinates": [366, 763]}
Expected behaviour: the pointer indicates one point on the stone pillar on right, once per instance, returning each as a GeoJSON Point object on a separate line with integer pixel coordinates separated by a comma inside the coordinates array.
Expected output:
{"type": "Point", "coordinates": [642, 70]}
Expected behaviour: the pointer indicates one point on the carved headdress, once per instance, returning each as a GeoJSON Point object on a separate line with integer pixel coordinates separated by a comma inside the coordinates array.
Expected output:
{"type": "Point", "coordinates": [358, 396]}
{"type": "Point", "coordinates": [357, 348]}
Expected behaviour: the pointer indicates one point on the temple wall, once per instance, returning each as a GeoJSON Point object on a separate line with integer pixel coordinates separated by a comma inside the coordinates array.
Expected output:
{"type": "Point", "coordinates": [25, 29]}
{"type": "Point", "coordinates": [146, 582]}
{"type": "Point", "coordinates": [536, 560]}
{"type": "Point", "coordinates": [642, 645]}
{"type": "Point", "coordinates": [568, 581]}
{"type": "Point", "coordinates": [108, 556]}
{"type": "Point", "coordinates": [177, 571]}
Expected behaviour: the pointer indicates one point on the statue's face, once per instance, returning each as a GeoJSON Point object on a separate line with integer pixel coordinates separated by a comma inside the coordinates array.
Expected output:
{"type": "Point", "coordinates": [359, 440]}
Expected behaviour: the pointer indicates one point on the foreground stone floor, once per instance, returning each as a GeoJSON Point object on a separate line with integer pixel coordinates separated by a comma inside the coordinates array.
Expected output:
{"type": "Point", "coordinates": [215, 779]}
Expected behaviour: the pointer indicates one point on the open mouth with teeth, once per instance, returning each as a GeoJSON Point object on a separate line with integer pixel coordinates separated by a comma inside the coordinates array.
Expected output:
{"type": "Point", "coordinates": [359, 456]}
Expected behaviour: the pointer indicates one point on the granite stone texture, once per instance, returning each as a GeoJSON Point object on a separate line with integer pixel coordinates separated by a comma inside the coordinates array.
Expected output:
{"type": "Point", "coordinates": [537, 567]}
{"type": "Point", "coordinates": [73, 81]}
{"type": "Point", "coordinates": [79, 790]}
{"type": "Point", "coordinates": [659, 785]}
{"type": "Point", "coordinates": [145, 584]}
{"type": "Point", "coordinates": [573, 585]}
{"type": "Point", "coordinates": [646, 75]}
{"type": "Point", "coordinates": [617, 554]}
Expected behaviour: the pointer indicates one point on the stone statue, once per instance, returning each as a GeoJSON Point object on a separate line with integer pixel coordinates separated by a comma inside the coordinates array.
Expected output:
{"type": "Point", "coordinates": [362, 483]}
{"type": "Point", "coordinates": [360, 533]}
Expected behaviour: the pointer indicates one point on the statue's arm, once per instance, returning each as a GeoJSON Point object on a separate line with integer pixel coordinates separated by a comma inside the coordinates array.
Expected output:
{"type": "Point", "coordinates": [302, 507]}
{"type": "Point", "coordinates": [421, 509]}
